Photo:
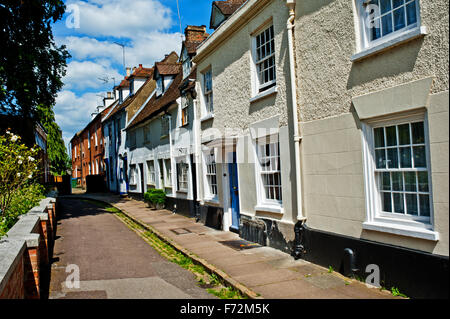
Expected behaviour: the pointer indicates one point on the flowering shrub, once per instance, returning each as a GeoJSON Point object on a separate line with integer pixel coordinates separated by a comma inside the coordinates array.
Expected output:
{"type": "Point", "coordinates": [22, 201]}
{"type": "Point", "coordinates": [18, 165]}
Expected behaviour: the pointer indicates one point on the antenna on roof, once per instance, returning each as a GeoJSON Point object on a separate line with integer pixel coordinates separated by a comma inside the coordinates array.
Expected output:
{"type": "Point", "coordinates": [105, 80]}
{"type": "Point", "coordinates": [179, 18]}
{"type": "Point", "coordinates": [123, 52]}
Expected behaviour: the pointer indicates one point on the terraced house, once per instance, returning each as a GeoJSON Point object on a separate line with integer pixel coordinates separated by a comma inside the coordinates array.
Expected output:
{"type": "Point", "coordinates": [130, 94]}
{"type": "Point", "coordinates": [161, 135]}
{"type": "Point", "coordinates": [331, 116]}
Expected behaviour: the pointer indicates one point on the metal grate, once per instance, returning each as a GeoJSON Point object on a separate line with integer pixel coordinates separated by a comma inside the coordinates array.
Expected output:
{"type": "Point", "coordinates": [181, 231]}
{"type": "Point", "coordinates": [239, 244]}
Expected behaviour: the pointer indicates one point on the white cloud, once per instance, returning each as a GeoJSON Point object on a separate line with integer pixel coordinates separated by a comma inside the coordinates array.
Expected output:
{"type": "Point", "coordinates": [145, 50]}
{"type": "Point", "coordinates": [86, 74]}
{"type": "Point", "coordinates": [73, 112]}
{"type": "Point", "coordinates": [122, 18]}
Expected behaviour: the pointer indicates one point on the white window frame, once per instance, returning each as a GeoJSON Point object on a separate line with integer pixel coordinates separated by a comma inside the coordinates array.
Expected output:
{"type": "Point", "coordinates": [167, 163]}
{"type": "Point", "coordinates": [133, 171]}
{"type": "Point", "coordinates": [210, 171]}
{"type": "Point", "coordinates": [187, 65]}
{"type": "Point", "coordinates": [165, 131]}
{"type": "Point", "coordinates": [208, 93]}
{"type": "Point", "coordinates": [264, 203]}
{"type": "Point", "coordinates": [258, 87]}
{"type": "Point", "coordinates": [180, 179]}
{"type": "Point", "coordinates": [400, 224]}
{"type": "Point", "coordinates": [184, 114]}
{"type": "Point", "coordinates": [159, 86]}
{"type": "Point", "coordinates": [365, 47]}
{"type": "Point", "coordinates": [151, 173]}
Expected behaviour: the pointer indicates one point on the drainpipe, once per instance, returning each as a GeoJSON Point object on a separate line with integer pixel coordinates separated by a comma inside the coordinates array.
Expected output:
{"type": "Point", "coordinates": [297, 137]}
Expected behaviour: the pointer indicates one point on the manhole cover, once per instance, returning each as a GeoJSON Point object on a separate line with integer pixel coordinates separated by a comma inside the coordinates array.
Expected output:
{"type": "Point", "coordinates": [181, 231]}
{"type": "Point", "coordinates": [239, 244]}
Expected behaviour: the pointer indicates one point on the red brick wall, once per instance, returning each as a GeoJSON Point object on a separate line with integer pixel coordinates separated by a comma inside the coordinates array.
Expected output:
{"type": "Point", "coordinates": [14, 289]}
{"type": "Point", "coordinates": [25, 281]}
{"type": "Point", "coordinates": [88, 155]}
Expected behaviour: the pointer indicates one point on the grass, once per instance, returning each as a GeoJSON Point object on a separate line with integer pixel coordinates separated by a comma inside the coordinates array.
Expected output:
{"type": "Point", "coordinates": [211, 282]}
{"type": "Point", "coordinates": [395, 292]}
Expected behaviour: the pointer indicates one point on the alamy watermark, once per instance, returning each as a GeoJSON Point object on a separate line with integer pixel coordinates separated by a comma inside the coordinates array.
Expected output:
{"type": "Point", "coordinates": [373, 279]}
{"type": "Point", "coordinates": [73, 279]}
{"type": "Point", "coordinates": [73, 19]}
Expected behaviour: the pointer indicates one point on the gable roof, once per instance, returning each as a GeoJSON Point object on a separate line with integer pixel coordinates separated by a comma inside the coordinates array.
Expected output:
{"type": "Point", "coordinates": [155, 104]}
{"type": "Point", "coordinates": [165, 68]}
{"type": "Point", "coordinates": [227, 8]}
{"type": "Point", "coordinates": [141, 72]}
{"type": "Point", "coordinates": [129, 99]}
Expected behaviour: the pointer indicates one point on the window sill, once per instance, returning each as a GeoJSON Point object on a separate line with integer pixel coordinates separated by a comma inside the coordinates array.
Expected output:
{"type": "Point", "coordinates": [207, 117]}
{"type": "Point", "coordinates": [264, 94]}
{"type": "Point", "coordinates": [182, 191]}
{"type": "Point", "coordinates": [402, 230]}
{"type": "Point", "coordinates": [270, 209]}
{"type": "Point", "coordinates": [402, 38]}
{"type": "Point", "coordinates": [212, 200]}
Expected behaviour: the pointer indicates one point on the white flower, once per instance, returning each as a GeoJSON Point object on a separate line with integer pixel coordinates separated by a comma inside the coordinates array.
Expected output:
{"type": "Point", "coordinates": [30, 176]}
{"type": "Point", "coordinates": [18, 174]}
{"type": "Point", "coordinates": [20, 162]}
{"type": "Point", "coordinates": [32, 149]}
{"type": "Point", "coordinates": [14, 138]}
{"type": "Point", "coordinates": [31, 159]}
{"type": "Point", "coordinates": [8, 132]}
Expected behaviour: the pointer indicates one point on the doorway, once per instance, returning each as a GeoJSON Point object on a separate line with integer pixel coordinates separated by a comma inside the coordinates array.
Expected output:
{"type": "Point", "coordinates": [234, 194]}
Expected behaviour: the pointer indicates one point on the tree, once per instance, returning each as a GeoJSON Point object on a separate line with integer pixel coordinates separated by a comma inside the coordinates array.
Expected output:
{"type": "Point", "coordinates": [18, 164]}
{"type": "Point", "coordinates": [31, 65]}
{"type": "Point", "coordinates": [56, 150]}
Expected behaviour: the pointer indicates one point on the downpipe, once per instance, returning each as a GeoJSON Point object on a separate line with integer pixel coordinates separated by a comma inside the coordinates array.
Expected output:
{"type": "Point", "coordinates": [297, 138]}
{"type": "Point", "coordinates": [298, 249]}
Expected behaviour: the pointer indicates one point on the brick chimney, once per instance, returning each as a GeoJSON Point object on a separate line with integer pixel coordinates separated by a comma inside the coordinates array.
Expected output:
{"type": "Point", "coordinates": [195, 33]}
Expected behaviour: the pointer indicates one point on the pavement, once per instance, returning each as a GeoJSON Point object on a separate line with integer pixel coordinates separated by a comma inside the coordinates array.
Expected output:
{"type": "Point", "coordinates": [112, 261]}
{"type": "Point", "coordinates": [259, 272]}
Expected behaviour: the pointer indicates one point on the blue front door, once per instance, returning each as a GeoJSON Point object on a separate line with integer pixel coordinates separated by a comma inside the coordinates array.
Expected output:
{"type": "Point", "coordinates": [234, 194]}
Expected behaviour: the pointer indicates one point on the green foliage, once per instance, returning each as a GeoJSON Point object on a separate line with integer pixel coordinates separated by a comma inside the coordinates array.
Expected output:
{"type": "Point", "coordinates": [32, 66]}
{"type": "Point", "coordinates": [18, 165]}
{"type": "Point", "coordinates": [330, 269]}
{"type": "Point", "coordinates": [396, 293]}
{"type": "Point", "coordinates": [155, 196]}
{"type": "Point", "coordinates": [56, 150]}
{"type": "Point", "coordinates": [22, 201]}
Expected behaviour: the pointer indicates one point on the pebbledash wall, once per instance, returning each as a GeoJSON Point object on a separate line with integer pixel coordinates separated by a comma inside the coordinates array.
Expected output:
{"type": "Point", "coordinates": [342, 91]}
{"type": "Point", "coordinates": [26, 251]}
{"type": "Point", "coordinates": [246, 116]}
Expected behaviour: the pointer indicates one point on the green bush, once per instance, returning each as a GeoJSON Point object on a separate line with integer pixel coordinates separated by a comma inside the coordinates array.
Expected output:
{"type": "Point", "coordinates": [22, 201]}
{"type": "Point", "coordinates": [155, 196]}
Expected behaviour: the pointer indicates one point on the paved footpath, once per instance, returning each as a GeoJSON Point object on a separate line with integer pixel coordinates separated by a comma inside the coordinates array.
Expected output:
{"type": "Point", "coordinates": [114, 262]}
{"type": "Point", "coordinates": [261, 271]}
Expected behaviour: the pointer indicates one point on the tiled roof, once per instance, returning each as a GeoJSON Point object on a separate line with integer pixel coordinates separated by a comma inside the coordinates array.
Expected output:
{"type": "Point", "coordinates": [157, 104]}
{"type": "Point", "coordinates": [128, 100]}
{"type": "Point", "coordinates": [164, 68]}
{"type": "Point", "coordinates": [142, 72]}
{"type": "Point", "coordinates": [125, 83]}
{"type": "Point", "coordinates": [229, 7]}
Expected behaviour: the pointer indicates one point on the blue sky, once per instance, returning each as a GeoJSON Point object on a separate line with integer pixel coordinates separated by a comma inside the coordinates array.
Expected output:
{"type": "Point", "coordinates": [149, 29]}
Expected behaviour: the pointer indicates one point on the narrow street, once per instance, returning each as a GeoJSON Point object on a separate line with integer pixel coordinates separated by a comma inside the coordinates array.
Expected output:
{"type": "Point", "coordinates": [114, 262]}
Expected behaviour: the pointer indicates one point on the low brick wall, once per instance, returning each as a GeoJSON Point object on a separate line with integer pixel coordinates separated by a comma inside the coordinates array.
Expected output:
{"type": "Point", "coordinates": [26, 251]}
